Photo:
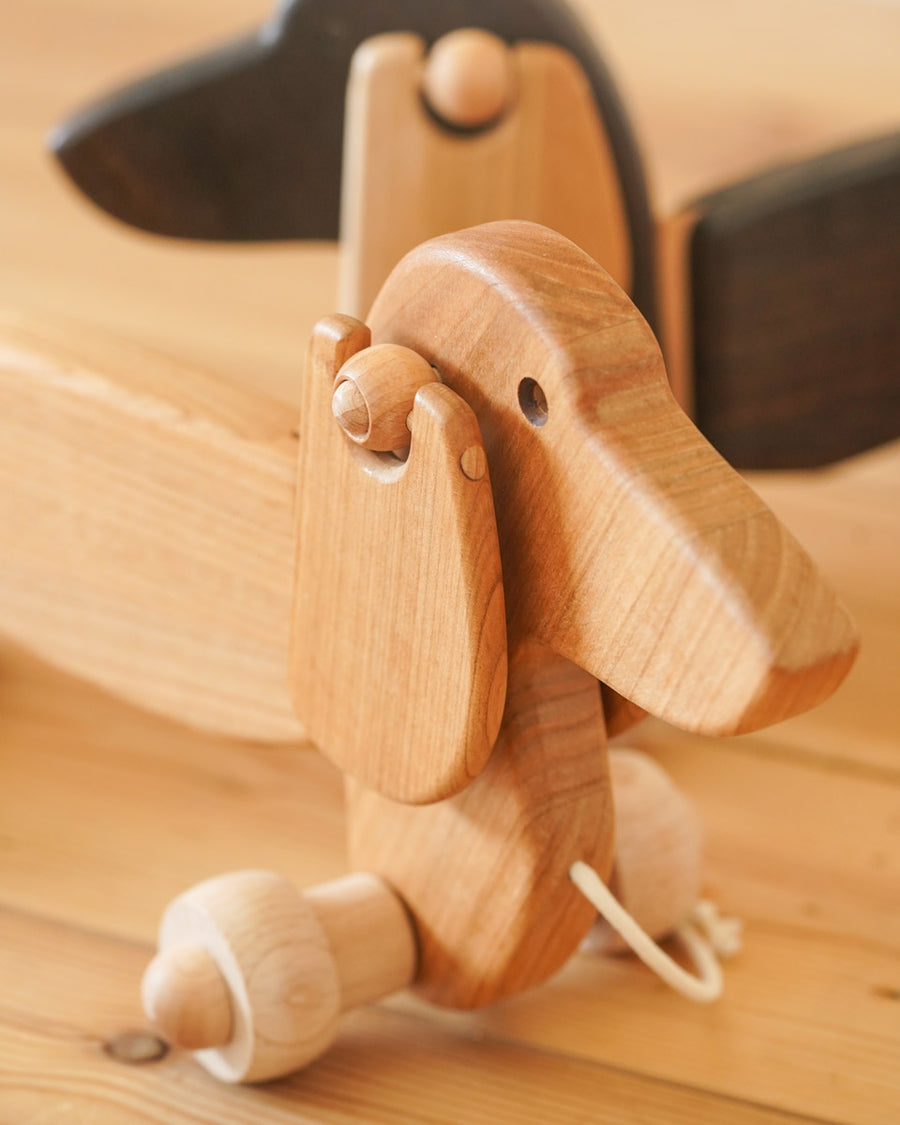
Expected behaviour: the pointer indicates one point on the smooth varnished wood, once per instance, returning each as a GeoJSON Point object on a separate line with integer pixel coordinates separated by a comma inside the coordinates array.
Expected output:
{"type": "Point", "coordinates": [718, 621]}
{"type": "Point", "coordinates": [374, 393]}
{"type": "Point", "coordinates": [106, 812]}
{"type": "Point", "coordinates": [186, 998]}
{"type": "Point", "coordinates": [389, 1066]}
{"type": "Point", "coordinates": [370, 936]}
{"type": "Point", "coordinates": [274, 958]}
{"type": "Point", "coordinates": [398, 658]}
{"type": "Point", "coordinates": [84, 780]}
{"type": "Point", "coordinates": [407, 178]}
{"type": "Point", "coordinates": [765, 386]}
{"type": "Point", "coordinates": [271, 166]}
{"type": "Point", "coordinates": [485, 874]}
{"type": "Point", "coordinates": [192, 485]}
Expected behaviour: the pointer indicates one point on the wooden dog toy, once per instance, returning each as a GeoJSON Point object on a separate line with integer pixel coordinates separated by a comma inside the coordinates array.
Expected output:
{"type": "Point", "coordinates": [755, 288]}
{"type": "Point", "coordinates": [506, 509]}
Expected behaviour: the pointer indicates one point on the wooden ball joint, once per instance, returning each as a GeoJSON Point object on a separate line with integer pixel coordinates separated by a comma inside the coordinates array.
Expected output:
{"type": "Point", "coordinates": [374, 393]}
{"type": "Point", "coordinates": [468, 79]}
{"type": "Point", "coordinates": [479, 781]}
{"type": "Point", "coordinates": [254, 975]}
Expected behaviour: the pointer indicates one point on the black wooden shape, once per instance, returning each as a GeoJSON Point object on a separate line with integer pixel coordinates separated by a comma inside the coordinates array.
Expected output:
{"type": "Point", "coordinates": [245, 143]}
{"type": "Point", "coordinates": [796, 310]}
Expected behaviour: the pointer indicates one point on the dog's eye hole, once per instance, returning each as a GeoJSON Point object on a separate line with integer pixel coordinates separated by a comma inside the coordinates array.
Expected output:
{"type": "Point", "coordinates": [533, 402]}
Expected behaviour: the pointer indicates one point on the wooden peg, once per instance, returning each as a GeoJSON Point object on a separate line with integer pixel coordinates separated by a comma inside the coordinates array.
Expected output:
{"type": "Point", "coordinates": [468, 80]}
{"type": "Point", "coordinates": [253, 975]}
{"type": "Point", "coordinates": [374, 393]}
{"type": "Point", "coordinates": [186, 998]}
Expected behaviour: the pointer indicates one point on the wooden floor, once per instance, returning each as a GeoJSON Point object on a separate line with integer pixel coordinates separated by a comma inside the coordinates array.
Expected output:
{"type": "Point", "coordinates": [106, 813]}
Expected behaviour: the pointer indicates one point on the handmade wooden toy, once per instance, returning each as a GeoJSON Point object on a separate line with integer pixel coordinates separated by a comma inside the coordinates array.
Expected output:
{"type": "Point", "coordinates": [498, 508]}
{"type": "Point", "coordinates": [764, 293]}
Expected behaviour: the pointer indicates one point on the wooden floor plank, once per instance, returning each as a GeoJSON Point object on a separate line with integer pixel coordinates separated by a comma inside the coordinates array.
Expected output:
{"type": "Point", "coordinates": [142, 807]}
{"type": "Point", "coordinates": [386, 1067]}
{"type": "Point", "coordinates": [806, 1025]}
{"type": "Point", "coordinates": [808, 858]}
{"type": "Point", "coordinates": [804, 851]}
{"type": "Point", "coordinates": [848, 517]}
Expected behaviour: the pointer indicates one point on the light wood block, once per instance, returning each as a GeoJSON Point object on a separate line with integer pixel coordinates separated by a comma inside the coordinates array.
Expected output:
{"type": "Point", "coordinates": [145, 516]}
{"type": "Point", "coordinates": [520, 168]}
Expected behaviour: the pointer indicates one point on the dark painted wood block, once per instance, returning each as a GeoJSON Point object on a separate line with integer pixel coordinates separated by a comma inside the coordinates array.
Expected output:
{"type": "Point", "coordinates": [245, 142]}
{"type": "Point", "coordinates": [796, 310]}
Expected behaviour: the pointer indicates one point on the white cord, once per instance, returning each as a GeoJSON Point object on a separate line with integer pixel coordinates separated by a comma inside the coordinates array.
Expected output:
{"type": "Point", "coordinates": [704, 936]}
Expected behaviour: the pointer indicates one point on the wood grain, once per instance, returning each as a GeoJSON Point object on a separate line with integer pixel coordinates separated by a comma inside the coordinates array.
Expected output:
{"type": "Point", "coordinates": [468, 80]}
{"type": "Point", "coordinates": [158, 502]}
{"type": "Point", "coordinates": [548, 160]}
{"type": "Point", "coordinates": [706, 613]}
{"type": "Point", "coordinates": [386, 1066]}
{"type": "Point", "coordinates": [658, 868]}
{"type": "Point", "coordinates": [282, 964]}
{"type": "Point", "coordinates": [398, 662]}
{"type": "Point", "coordinates": [116, 835]}
{"type": "Point", "coordinates": [180, 537]}
{"type": "Point", "coordinates": [485, 874]}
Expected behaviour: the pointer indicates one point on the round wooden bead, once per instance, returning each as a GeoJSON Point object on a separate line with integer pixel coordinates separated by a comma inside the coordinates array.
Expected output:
{"type": "Point", "coordinates": [659, 843]}
{"type": "Point", "coordinates": [468, 78]}
{"type": "Point", "coordinates": [271, 952]}
{"type": "Point", "coordinates": [374, 393]}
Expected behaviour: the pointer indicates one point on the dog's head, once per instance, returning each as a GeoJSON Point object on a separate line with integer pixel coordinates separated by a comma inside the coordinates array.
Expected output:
{"type": "Point", "coordinates": [628, 544]}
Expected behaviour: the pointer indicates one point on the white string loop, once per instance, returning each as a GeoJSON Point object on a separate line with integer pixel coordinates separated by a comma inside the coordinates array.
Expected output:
{"type": "Point", "coordinates": [705, 936]}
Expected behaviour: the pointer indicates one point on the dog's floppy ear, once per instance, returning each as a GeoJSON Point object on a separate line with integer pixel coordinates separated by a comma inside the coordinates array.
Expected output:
{"type": "Point", "coordinates": [398, 660]}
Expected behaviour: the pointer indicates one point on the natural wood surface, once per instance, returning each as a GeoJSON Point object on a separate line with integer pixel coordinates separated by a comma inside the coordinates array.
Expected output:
{"type": "Point", "coordinates": [794, 281]}
{"type": "Point", "coordinates": [468, 80]}
{"type": "Point", "coordinates": [485, 873]}
{"type": "Point", "coordinates": [768, 362]}
{"type": "Point", "coordinates": [175, 530]}
{"type": "Point", "coordinates": [106, 814]}
{"type": "Point", "coordinates": [269, 948]}
{"type": "Point", "coordinates": [252, 974]}
{"type": "Point", "coordinates": [398, 657]}
{"type": "Point", "coordinates": [159, 565]}
{"type": "Point", "coordinates": [374, 394]}
{"type": "Point", "coordinates": [407, 178]}
{"type": "Point", "coordinates": [716, 94]}
{"type": "Point", "coordinates": [628, 545]}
